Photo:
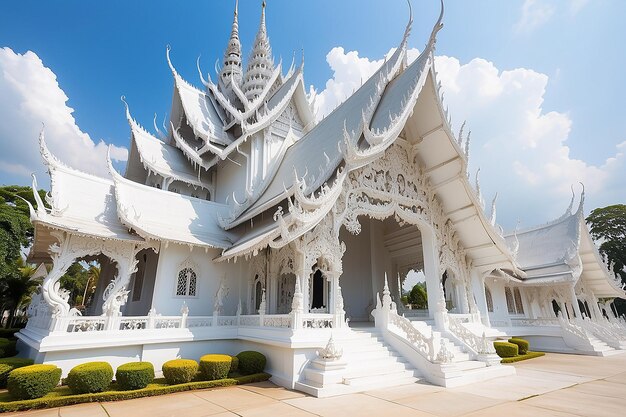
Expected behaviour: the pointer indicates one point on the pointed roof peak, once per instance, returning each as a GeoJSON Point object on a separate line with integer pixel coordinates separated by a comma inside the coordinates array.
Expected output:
{"type": "Point", "coordinates": [232, 68]}
{"type": "Point", "coordinates": [260, 65]}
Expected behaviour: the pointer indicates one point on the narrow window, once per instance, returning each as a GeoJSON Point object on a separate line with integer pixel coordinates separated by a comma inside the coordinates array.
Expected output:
{"type": "Point", "coordinates": [186, 284]}
{"type": "Point", "coordinates": [510, 304]}
{"type": "Point", "coordinates": [489, 299]}
{"type": "Point", "coordinates": [519, 306]}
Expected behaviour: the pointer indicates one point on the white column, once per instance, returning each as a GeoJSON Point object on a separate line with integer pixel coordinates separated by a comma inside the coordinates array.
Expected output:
{"type": "Point", "coordinates": [436, 309]}
{"type": "Point", "coordinates": [478, 286]}
{"type": "Point", "coordinates": [574, 302]}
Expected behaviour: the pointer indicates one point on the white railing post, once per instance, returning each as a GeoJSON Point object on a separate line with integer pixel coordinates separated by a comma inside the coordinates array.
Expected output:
{"type": "Point", "coordinates": [238, 313]}
{"type": "Point", "coordinates": [151, 316]}
{"type": "Point", "coordinates": [184, 311]}
{"type": "Point", "coordinates": [297, 306]}
{"type": "Point", "coordinates": [262, 309]}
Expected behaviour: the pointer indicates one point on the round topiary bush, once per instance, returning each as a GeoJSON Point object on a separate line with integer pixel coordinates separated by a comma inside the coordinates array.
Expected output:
{"type": "Point", "coordinates": [134, 375]}
{"type": "Point", "coordinates": [506, 349]}
{"type": "Point", "coordinates": [90, 377]}
{"type": "Point", "coordinates": [234, 365]}
{"type": "Point", "coordinates": [9, 364]}
{"type": "Point", "coordinates": [522, 344]}
{"type": "Point", "coordinates": [179, 371]}
{"type": "Point", "coordinates": [33, 381]}
{"type": "Point", "coordinates": [251, 362]}
{"type": "Point", "coordinates": [215, 366]}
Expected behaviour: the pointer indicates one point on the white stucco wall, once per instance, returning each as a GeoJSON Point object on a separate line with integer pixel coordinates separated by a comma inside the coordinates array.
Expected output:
{"type": "Point", "coordinates": [209, 275]}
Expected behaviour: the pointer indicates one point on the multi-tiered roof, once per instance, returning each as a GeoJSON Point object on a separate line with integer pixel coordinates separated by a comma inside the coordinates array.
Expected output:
{"type": "Point", "coordinates": [243, 164]}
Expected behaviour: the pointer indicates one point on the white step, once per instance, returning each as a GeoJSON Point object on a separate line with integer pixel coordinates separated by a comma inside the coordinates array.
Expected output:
{"type": "Point", "coordinates": [470, 365]}
{"type": "Point", "coordinates": [397, 378]}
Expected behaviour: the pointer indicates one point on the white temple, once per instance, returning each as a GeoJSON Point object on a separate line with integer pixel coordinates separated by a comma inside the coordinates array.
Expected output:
{"type": "Point", "coordinates": [247, 225]}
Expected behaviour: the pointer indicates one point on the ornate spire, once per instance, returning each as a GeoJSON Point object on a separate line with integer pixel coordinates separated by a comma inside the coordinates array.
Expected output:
{"type": "Point", "coordinates": [260, 65]}
{"type": "Point", "coordinates": [232, 56]}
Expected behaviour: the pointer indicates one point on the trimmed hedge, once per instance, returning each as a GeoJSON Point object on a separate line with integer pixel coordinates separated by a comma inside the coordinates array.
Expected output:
{"type": "Point", "coordinates": [529, 355]}
{"type": "Point", "coordinates": [506, 349]}
{"type": "Point", "coordinates": [215, 366]}
{"type": "Point", "coordinates": [134, 375]}
{"type": "Point", "coordinates": [90, 377]}
{"type": "Point", "coordinates": [33, 381]}
{"type": "Point", "coordinates": [251, 362]}
{"type": "Point", "coordinates": [179, 371]}
{"type": "Point", "coordinates": [522, 345]}
{"type": "Point", "coordinates": [234, 365]}
{"type": "Point", "coordinates": [7, 347]}
{"type": "Point", "coordinates": [9, 364]}
{"type": "Point", "coordinates": [61, 396]}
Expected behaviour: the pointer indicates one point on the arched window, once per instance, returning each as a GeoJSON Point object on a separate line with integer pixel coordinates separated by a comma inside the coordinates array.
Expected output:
{"type": "Point", "coordinates": [186, 284]}
{"type": "Point", "coordinates": [489, 299]}
{"type": "Point", "coordinates": [519, 306]}
{"type": "Point", "coordinates": [510, 304]}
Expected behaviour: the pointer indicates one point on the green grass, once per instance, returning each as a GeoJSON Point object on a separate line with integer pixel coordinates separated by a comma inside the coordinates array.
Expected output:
{"type": "Point", "coordinates": [62, 395]}
{"type": "Point", "coordinates": [518, 358]}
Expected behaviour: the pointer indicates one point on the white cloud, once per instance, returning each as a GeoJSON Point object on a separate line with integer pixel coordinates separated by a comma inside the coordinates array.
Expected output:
{"type": "Point", "coordinates": [534, 14]}
{"type": "Point", "coordinates": [31, 96]}
{"type": "Point", "coordinates": [521, 148]}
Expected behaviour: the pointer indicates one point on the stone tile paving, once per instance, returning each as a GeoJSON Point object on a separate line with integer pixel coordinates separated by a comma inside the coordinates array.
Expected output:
{"type": "Point", "coordinates": [553, 385]}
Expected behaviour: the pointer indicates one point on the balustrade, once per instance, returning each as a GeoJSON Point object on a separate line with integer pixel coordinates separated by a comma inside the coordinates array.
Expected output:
{"type": "Point", "coordinates": [76, 324]}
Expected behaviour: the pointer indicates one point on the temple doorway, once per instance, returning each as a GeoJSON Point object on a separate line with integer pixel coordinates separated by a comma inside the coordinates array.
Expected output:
{"type": "Point", "coordinates": [382, 247]}
{"type": "Point", "coordinates": [317, 291]}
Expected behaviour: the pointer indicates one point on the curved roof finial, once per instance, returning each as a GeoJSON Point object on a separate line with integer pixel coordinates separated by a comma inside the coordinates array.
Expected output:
{"type": "Point", "coordinates": [409, 24]}
{"type": "Point", "coordinates": [123, 98]}
{"type": "Point", "coordinates": [436, 28]}
{"type": "Point", "coordinates": [582, 200]}
{"type": "Point", "coordinates": [168, 48]}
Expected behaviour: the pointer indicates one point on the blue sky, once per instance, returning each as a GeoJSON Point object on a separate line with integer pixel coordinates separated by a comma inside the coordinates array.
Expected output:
{"type": "Point", "coordinates": [568, 52]}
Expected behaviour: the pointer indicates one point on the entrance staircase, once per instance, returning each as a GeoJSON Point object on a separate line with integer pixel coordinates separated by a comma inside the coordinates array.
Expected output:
{"type": "Point", "coordinates": [369, 363]}
{"type": "Point", "coordinates": [600, 348]}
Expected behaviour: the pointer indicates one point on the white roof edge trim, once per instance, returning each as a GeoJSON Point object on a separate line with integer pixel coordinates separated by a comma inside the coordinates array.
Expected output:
{"type": "Point", "coordinates": [53, 162]}
{"type": "Point", "coordinates": [142, 232]}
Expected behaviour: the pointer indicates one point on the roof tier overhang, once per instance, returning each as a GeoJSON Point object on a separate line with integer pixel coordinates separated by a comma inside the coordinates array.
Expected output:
{"type": "Point", "coordinates": [194, 106]}
{"type": "Point", "coordinates": [595, 273]}
{"type": "Point", "coordinates": [163, 159]}
{"type": "Point", "coordinates": [169, 217]}
{"type": "Point", "coordinates": [81, 204]}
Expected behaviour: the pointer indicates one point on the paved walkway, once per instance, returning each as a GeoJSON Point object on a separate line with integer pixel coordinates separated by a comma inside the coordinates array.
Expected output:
{"type": "Point", "coordinates": [553, 385]}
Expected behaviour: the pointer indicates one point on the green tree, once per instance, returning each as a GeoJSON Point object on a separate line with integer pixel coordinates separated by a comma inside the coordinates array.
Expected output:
{"type": "Point", "coordinates": [16, 231]}
{"type": "Point", "coordinates": [418, 296]}
{"type": "Point", "coordinates": [16, 290]}
{"type": "Point", "coordinates": [608, 226]}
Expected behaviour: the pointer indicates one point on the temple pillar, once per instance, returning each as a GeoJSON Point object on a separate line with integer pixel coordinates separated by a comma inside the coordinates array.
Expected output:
{"type": "Point", "coordinates": [478, 285]}
{"type": "Point", "coordinates": [595, 308]}
{"type": "Point", "coordinates": [436, 309]}
{"type": "Point", "coordinates": [462, 296]}
{"type": "Point", "coordinates": [574, 302]}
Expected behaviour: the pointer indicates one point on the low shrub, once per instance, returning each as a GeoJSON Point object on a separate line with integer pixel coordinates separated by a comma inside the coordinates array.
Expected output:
{"type": "Point", "coordinates": [90, 377]}
{"type": "Point", "coordinates": [215, 366]}
{"type": "Point", "coordinates": [33, 381]}
{"type": "Point", "coordinates": [61, 396]}
{"type": "Point", "coordinates": [528, 355]}
{"type": "Point", "coordinates": [522, 345]}
{"type": "Point", "coordinates": [134, 375]}
{"type": "Point", "coordinates": [179, 371]}
{"type": "Point", "coordinates": [9, 364]}
{"type": "Point", "coordinates": [234, 364]}
{"type": "Point", "coordinates": [506, 349]}
{"type": "Point", "coordinates": [7, 347]}
{"type": "Point", "coordinates": [251, 362]}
